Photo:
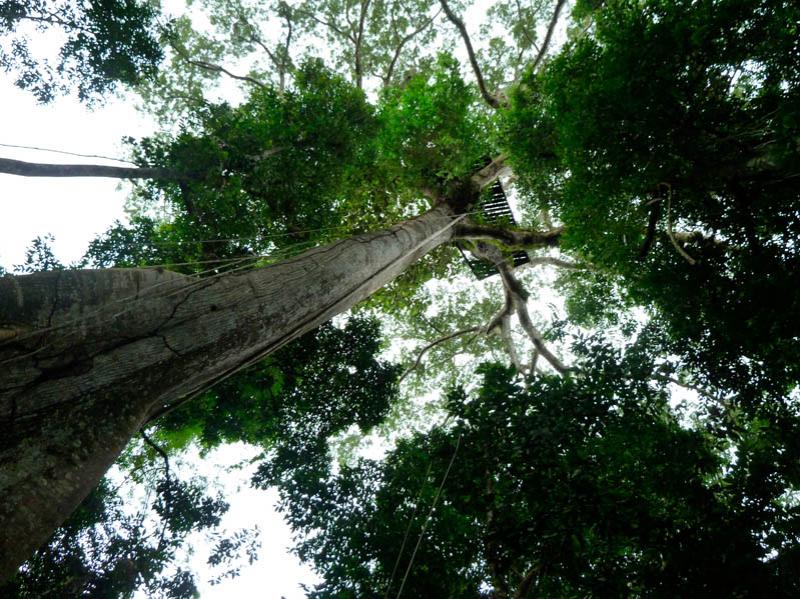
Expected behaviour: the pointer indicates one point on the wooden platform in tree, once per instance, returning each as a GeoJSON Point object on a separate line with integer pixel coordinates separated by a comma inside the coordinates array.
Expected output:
{"type": "Point", "coordinates": [495, 211]}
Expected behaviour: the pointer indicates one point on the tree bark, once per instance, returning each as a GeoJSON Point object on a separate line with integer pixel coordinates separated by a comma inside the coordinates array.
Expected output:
{"type": "Point", "coordinates": [37, 169]}
{"type": "Point", "coordinates": [88, 356]}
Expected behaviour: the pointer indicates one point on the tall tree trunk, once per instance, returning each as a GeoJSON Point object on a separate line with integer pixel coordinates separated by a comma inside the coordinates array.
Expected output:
{"type": "Point", "coordinates": [88, 356]}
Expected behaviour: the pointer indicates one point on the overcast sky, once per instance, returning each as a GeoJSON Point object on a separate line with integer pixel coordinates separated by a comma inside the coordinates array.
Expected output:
{"type": "Point", "coordinates": [74, 210]}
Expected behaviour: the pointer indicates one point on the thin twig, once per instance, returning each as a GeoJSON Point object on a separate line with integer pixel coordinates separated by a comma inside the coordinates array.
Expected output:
{"type": "Point", "coordinates": [214, 68]}
{"type": "Point", "coordinates": [509, 237]}
{"type": "Point", "coordinates": [699, 390]}
{"type": "Point", "coordinates": [433, 344]}
{"type": "Point", "coordinates": [403, 41]}
{"type": "Point", "coordinates": [327, 24]}
{"type": "Point", "coordinates": [490, 173]}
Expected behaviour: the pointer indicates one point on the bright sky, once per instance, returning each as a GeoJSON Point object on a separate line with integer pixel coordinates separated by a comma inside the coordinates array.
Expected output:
{"type": "Point", "coordinates": [74, 210]}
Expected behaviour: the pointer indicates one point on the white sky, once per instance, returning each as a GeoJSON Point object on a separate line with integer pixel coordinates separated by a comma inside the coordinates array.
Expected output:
{"type": "Point", "coordinates": [74, 210]}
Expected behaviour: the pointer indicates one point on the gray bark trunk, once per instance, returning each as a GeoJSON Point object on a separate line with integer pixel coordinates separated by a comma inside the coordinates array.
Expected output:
{"type": "Point", "coordinates": [36, 169]}
{"type": "Point", "coordinates": [87, 356]}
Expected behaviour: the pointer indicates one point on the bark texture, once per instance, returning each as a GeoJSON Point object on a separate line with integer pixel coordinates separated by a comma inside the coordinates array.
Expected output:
{"type": "Point", "coordinates": [87, 356]}
{"type": "Point", "coordinates": [38, 169]}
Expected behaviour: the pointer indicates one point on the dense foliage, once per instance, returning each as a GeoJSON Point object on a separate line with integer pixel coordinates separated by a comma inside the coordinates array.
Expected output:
{"type": "Point", "coordinates": [661, 144]}
{"type": "Point", "coordinates": [566, 487]}
{"type": "Point", "coordinates": [676, 124]}
{"type": "Point", "coordinates": [105, 43]}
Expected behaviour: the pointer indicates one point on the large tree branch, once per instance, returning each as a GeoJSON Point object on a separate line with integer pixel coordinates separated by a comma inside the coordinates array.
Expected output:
{"type": "Point", "coordinates": [652, 222]}
{"type": "Point", "coordinates": [211, 67]}
{"type": "Point", "coordinates": [509, 237]}
{"type": "Point", "coordinates": [35, 169]}
{"type": "Point", "coordinates": [527, 582]}
{"type": "Point", "coordinates": [557, 262]}
{"type": "Point", "coordinates": [490, 99]}
{"type": "Point", "coordinates": [549, 35]}
{"type": "Point", "coordinates": [338, 30]}
{"type": "Point", "coordinates": [505, 312]}
{"type": "Point", "coordinates": [505, 335]}
{"type": "Point", "coordinates": [535, 336]}
{"type": "Point", "coordinates": [215, 68]}
{"type": "Point", "coordinates": [490, 173]}
{"type": "Point", "coordinates": [516, 294]}
{"type": "Point", "coordinates": [697, 389]}
{"type": "Point", "coordinates": [50, 19]}
{"type": "Point", "coordinates": [257, 40]}
{"type": "Point", "coordinates": [359, 39]}
{"type": "Point", "coordinates": [671, 235]}
{"type": "Point", "coordinates": [499, 320]}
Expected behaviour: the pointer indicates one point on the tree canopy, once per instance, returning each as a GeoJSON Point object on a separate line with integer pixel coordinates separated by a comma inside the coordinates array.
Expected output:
{"type": "Point", "coordinates": [104, 43]}
{"type": "Point", "coordinates": [640, 436]}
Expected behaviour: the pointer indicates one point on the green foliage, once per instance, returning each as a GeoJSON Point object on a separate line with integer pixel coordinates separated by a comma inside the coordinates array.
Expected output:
{"type": "Point", "coordinates": [666, 116]}
{"type": "Point", "coordinates": [663, 123]}
{"type": "Point", "coordinates": [315, 162]}
{"type": "Point", "coordinates": [431, 133]}
{"type": "Point", "coordinates": [513, 30]}
{"type": "Point", "coordinates": [574, 486]}
{"type": "Point", "coordinates": [316, 386]}
{"type": "Point", "coordinates": [106, 43]}
{"type": "Point", "coordinates": [280, 164]}
{"type": "Point", "coordinates": [370, 39]}
{"type": "Point", "coordinates": [142, 242]}
{"type": "Point", "coordinates": [107, 550]}
{"type": "Point", "coordinates": [39, 256]}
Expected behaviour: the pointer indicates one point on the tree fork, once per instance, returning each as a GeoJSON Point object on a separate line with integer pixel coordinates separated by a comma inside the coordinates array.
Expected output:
{"type": "Point", "coordinates": [98, 352]}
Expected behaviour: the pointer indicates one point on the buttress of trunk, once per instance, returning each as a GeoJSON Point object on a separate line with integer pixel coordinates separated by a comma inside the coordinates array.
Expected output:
{"type": "Point", "coordinates": [87, 356]}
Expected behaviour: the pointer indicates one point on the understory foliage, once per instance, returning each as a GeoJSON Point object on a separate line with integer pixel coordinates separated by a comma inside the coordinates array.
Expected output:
{"type": "Point", "coordinates": [661, 141]}
{"type": "Point", "coordinates": [107, 550]}
{"type": "Point", "coordinates": [584, 486]}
